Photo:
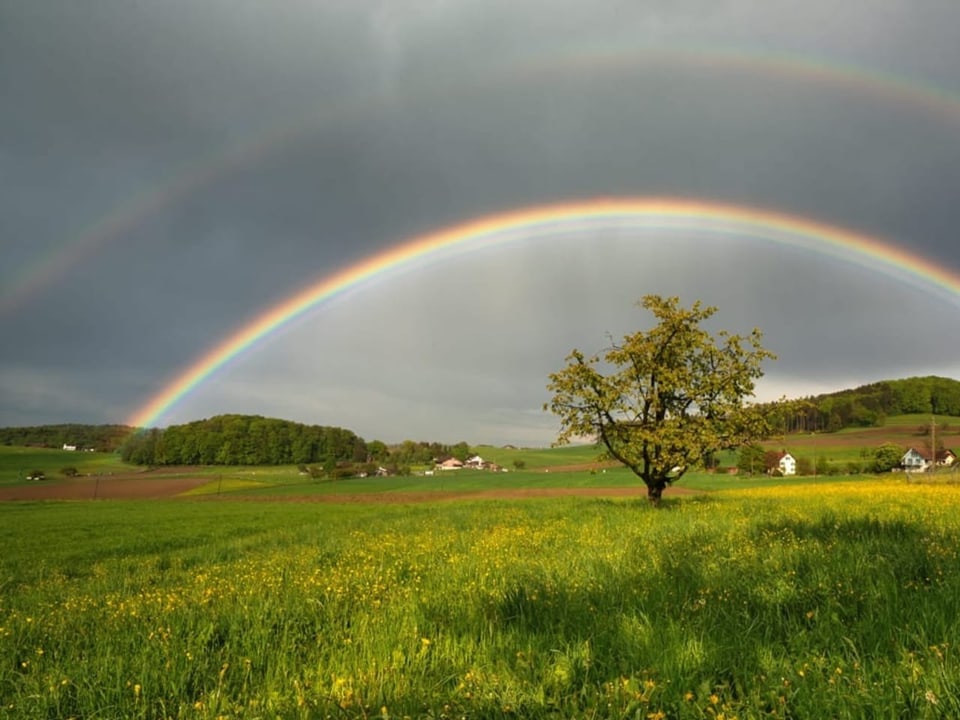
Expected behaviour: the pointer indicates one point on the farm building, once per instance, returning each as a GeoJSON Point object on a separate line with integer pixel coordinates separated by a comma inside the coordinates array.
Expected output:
{"type": "Point", "coordinates": [921, 460]}
{"type": "Point", "coordinates": [787, 464]}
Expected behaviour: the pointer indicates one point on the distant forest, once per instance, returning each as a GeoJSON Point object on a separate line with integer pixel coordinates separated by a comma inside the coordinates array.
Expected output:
{"type": "Point", "coordinates": [102, 438]}
{"type": "Point", "coordinates": [868, 405]}
{"type": "Point", "coordinates": [256, 440]}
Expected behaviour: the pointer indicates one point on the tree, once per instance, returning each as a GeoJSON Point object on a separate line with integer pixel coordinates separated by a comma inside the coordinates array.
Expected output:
{"type": "Point", "coordinates": [673, 394]}
{"type": "Point", "coordinates": [750, 459]}
{"type": "Point", "coordinates": [822, 465]}
{"type": "Point", "coordinates": [771, 461]}
{"type": "Point", "coordinates": [887, 457]}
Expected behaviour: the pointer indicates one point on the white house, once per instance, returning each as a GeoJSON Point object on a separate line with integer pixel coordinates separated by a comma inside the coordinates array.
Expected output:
{"type": "Point", "coordinates": [787, 464]}
{"type": "Point", "coordinates": [920, 460]}
{"type": "Point", "coordinates": [914, 461]}
{"type": "Point", "coordinates": [72, 448]}
{"type": "Point", "coordinates": [476, 462]}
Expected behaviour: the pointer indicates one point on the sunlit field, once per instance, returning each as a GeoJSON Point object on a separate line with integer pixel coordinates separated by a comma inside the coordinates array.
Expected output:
{"type": "Point", "coordinates": [827, 600]}
{"type": "Point", "coordinates": [16, 463]}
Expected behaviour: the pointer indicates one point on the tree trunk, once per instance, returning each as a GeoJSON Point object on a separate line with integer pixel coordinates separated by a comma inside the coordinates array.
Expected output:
{"type": "Point", "coordinates": [654, 492]}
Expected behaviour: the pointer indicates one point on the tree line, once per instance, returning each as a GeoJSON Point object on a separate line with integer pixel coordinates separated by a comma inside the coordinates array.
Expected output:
{"type": "Point", "coordinates": [102, 438]}
{"type": "Point", "coordinates": [256, 440]}
{"type": "Point", "coordinates": [867, 405]}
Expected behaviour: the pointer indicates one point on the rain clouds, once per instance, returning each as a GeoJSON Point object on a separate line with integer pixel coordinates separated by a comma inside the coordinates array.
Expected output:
{"type": "Point", "coordinates": [252, 149]}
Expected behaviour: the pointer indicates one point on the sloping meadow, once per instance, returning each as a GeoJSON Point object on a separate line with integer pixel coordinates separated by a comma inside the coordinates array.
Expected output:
{"type": "Point", "coordinates": [827, 601]}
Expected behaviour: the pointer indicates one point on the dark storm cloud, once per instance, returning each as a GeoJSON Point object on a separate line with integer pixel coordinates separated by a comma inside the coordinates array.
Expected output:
{"type": "Point", "coordinates": [407, 116]}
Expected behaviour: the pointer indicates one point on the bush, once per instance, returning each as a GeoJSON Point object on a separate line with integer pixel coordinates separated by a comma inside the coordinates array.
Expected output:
{"type": "Point", "coordinates": [887, 457]}
{"type": "Point", "coordinates": [69, 471]}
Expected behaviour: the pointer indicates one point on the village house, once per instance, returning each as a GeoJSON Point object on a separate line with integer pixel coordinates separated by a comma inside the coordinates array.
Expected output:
{"type": "Point", "coordinates": [787, 464]}
{"type": "Point", "coordinates": [476, 463]}
{"type": "Point", "coordinates": [922, 460]}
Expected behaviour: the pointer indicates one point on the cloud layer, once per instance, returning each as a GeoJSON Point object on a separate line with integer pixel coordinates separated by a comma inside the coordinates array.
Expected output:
{"type": "Point", "coordinates": [257, 149]}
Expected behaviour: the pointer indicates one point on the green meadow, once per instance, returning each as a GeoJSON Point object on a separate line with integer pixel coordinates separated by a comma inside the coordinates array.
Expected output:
{"type": "Point", "coordinates": [18, 462]}
{"type": "Point", "coordinates": [826, 599]}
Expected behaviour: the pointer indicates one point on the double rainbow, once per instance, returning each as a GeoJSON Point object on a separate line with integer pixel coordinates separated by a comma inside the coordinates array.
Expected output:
{"type": "Point", "coordinates": [696, 217]}
{"type": "Point", "coordinates": [45, 269]}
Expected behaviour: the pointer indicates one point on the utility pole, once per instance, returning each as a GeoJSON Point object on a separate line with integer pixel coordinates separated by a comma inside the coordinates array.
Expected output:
{"type": "Point", "coordinates": [933, 440]}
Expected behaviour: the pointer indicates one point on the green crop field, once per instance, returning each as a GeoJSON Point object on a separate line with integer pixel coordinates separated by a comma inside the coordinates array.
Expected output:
{"type": "Point", "coordinates": [808, 600]}
{"type": "Point", "coordinates": [17, 462]}
{"type": "Point", "coordinates": [534, 458]}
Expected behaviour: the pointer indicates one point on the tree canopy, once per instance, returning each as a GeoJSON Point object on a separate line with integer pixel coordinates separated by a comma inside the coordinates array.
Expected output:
{"type": "Point", "coordinates": [671, 395]}
{"type": "Point", "coordinates": [256, 440]}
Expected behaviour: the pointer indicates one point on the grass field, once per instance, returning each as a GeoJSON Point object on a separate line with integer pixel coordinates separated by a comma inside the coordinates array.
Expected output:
{"type": "Point", "coordinates": [809, 600]}
{"type": "Point", "coordinates": [17, 462]}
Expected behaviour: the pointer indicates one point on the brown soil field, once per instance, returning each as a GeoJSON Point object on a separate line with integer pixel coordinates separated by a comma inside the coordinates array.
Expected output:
{"type": "Point", "coordinates": [582, 467]}
{"type": "Point", "coordinates": [158, 484]}
{"type": "Point", "coordinates": [139, 486]}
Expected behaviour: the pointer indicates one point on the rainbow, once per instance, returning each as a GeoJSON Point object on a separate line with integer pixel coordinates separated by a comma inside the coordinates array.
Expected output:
{"type": "Point", "coordinates": [635, 214]}
{"type": "Point", "coordinates": [45, 269]}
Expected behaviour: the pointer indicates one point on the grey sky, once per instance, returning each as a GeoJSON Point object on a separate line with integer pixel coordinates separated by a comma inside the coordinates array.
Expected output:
{"type": "Point", "coordinates": [268, 145]}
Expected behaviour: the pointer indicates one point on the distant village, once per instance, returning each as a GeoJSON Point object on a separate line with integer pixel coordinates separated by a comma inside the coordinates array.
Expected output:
{"type": "Point", "coordinates": [913, 460]}
{"type": "Point", "coordinates": [474, 462]}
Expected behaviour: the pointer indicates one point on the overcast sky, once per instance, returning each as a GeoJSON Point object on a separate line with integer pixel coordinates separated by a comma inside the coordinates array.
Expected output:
{"type": "Point", "coordinates": [171, 169]}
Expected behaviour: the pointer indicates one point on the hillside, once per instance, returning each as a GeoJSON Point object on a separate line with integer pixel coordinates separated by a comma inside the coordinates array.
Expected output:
{"type": "Point", "coordinates": [102, 438]}
{"type": "Point", "coordinates": [868, 405]}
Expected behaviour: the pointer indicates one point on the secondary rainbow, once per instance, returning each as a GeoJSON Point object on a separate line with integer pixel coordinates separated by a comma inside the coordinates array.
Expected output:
{"type": "Point", "coordinates": [643, 214]}
{"type": "Point", "coordinates": [205, 170]}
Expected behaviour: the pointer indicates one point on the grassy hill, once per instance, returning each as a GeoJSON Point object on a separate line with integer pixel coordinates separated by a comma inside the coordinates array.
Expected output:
{"type": "Point", "coordinates": [18, 462]}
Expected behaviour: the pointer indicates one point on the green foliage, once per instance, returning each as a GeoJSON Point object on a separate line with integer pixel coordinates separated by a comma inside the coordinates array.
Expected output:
{"type": "Point", "coordinates": [377, 450]}
{"type": "Point", "coordinates": [868, 405]}
{"type": "Point", "coordinates": [410, 452]}
{"type": "Point", "coordinates": [887, 457]}
{"type": "Point", "coordinates": [69, 471]}
{"type": "Point", "coordinates": [520, 464]}
{"type": "Point", "coordinates": [242, 440]}
{"type": "Point", "coordinates": [101, 438]}
{"type": "Point", "coordinates": [750, 459]}
{"type": "Point", "coordinates": [823, 465]}
{"type": "Point", "coordinates": [675, 394]}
